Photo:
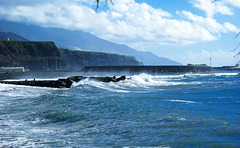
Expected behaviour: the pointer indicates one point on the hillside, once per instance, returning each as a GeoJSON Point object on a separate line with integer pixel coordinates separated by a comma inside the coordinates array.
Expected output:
{"type": "Point", "coordinates": [46, 56]}
{"type": "Point", "coordinates": [71, 39]}
{"type": "Point", "coordinates": [31, 55]}
{"type": "Point", "coordinates": [79, 59]}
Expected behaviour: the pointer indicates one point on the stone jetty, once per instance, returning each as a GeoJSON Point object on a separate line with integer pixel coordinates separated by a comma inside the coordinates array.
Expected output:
{"type": "Point", "coordinates": [63, 82]}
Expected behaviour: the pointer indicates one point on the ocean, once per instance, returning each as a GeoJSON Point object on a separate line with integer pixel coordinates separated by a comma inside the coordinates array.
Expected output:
{"type": "Point", "coordinates": [158, 111]}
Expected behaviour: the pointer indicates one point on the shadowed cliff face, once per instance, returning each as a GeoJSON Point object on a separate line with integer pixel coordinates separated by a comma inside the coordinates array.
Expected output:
{"type": "Point", "coordinates": [32, 55]}
{"type": "Point", "coordinates": [79, 59]}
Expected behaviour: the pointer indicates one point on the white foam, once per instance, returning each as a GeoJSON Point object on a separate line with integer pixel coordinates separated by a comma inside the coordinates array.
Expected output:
{"type": "Point", "coordinates": [183, 101]}
{"type": "Point", "coordinates": [181, 119]}
{"type": "Point", "coordinates": [147, 147]}
{"type": "Point", "coordinates": [210, 74]}
{"type": "Point", "coordinates": [105, 86]}
{"type": "Point", "coordinates": [148, 81]}
{"type": "Point", "coordinates": [20, 91]}
{"type": "Point", "coordinates": [225, 74]}
{"type": "Point", "coordinates": [144, 81]}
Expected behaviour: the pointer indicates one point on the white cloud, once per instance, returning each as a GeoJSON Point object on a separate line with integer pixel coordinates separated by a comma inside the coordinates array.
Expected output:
{"type": "Point", "coordinates": [125, 22]}
{"type": "Point", "coordinates": [235, 3]}
{"type": "Point", "coordinates": [210, 24]}
{"type": "Point", "coordinates": [218, 58]}
{"type": "Point", "coordinates": [230, 27]}
{"type": "Point", "coordinates": [212, 8]}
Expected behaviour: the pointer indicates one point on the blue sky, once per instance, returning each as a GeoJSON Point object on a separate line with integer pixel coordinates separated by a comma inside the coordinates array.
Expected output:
{"type": "Point", "coordinates": [188, 31]}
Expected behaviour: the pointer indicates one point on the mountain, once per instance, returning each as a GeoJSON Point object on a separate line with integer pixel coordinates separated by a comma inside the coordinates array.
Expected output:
{"type": "Point", "coordinates": [12, 36]}
{"type": "Point", "coordinates": [70, 39]}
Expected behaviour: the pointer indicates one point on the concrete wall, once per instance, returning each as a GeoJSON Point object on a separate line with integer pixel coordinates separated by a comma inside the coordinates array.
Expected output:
{"type": "Point", "coordinates": [147, 69]}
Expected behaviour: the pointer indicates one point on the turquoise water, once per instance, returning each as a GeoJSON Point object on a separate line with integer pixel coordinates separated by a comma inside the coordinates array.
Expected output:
{"type": "Point", "coordinates": [191, 110]}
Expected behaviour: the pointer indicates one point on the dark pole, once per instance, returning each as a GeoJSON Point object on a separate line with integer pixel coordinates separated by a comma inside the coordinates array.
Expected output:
{"type": "Point", "coordinates": [210, 62]}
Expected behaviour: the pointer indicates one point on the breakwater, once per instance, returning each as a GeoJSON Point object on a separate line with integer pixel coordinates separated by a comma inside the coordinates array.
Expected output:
{"type": "Point", "coordinates": [39, 74]}
{"type": "Point", "coordinates": [148, 69]}
{"type": "Point", "coordinates": [63, 82]}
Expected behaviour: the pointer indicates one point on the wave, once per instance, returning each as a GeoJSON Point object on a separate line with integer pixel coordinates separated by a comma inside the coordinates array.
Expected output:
{"type": "Point", "coordinates": [147, 147]}
{"type": "Point", "coordinates": [226, 74]}
{"type": "Point", "coordinates": [9, 91]}
{"type": "Point", "coordinates": [137, 82]}
{"type": "Point", "coordinates": [183, 101]}
{"type": "Point", "coordinates": [210, 74]}
{"type": "Point", "coordinates": [147, 81]}
{"type": "Point", "coordinates": [134, 82]}
{"type": "Point", "coordinates": [86, 83]}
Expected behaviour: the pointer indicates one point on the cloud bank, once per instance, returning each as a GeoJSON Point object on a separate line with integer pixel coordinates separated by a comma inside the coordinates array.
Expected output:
{"type": "Point", "coordinates": [126, 21]}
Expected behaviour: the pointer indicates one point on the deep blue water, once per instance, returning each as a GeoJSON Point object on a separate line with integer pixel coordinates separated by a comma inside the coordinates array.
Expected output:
{"type": "Point", "coordinates": [192, 110]}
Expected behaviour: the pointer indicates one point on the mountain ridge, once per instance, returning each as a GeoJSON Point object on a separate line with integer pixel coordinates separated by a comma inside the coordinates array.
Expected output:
{"type": "Point", "coordinates": [78, 39]}
{"type": "Point", "coordinates": [12, 36]}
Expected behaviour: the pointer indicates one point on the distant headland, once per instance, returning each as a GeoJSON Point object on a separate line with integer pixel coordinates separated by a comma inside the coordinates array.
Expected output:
{"type": "Point", "coordinates": [45, 56]}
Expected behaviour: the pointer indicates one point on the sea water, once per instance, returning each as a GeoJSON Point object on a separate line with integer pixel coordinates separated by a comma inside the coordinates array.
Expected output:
{"type": "Point", "coordinates": [187, 110]}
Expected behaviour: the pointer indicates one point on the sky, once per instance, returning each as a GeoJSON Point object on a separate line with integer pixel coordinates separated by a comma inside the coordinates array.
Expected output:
{"type": "Point", "coordinates": [187, 31]}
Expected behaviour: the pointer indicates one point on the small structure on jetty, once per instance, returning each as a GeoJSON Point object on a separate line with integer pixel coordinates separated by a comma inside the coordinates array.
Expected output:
{"type": "Point", "coordinates": [12, 69]}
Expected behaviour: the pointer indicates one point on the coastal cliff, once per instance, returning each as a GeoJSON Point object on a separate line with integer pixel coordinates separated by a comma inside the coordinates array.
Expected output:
{"type": "Point", "coordinates": [78, 59]}
{"type": "Point", "coordinates": [46, 56]}
{"type": "Point", "coordinates": [32, 55]}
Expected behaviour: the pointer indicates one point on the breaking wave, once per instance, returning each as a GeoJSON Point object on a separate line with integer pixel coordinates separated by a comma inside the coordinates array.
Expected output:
{"type": "Point", "coordinates": [146, 81]}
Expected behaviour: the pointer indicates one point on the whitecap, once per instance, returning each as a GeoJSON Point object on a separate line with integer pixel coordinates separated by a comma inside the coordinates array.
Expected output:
{"type": "Point", "coordinates": [181, 119]}
{"type": "Point", "coordinates": [183, 101]}
{"type": "Point", "coordinates": [149, 81]}
{"type": "Point", "coordinates": [142, 81]}
{"type": "Point", "coordinates": [111, 86]}
{"type": "Point", "coordinates": [210, 74]}
{"type": "Point", "coordinates": [21, 91]}
{"type": "Point", "coordinates": [225, 74]}
{"type": "Point", "coordinates": [147, 147]}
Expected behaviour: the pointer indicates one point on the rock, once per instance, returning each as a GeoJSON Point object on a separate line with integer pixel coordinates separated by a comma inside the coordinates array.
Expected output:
{"type": "Point", "coordinates": [108, 79]}
{"type": "Point", "coordinates": [62, 83]}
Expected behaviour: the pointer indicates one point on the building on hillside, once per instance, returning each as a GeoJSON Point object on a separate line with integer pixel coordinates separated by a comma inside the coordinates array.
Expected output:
{"type": "Point", "coordinates": [12, 69]}
{"type": "Point", "coordinates": [6, 39]}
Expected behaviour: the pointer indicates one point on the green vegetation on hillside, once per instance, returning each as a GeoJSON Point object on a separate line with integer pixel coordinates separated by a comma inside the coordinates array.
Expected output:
{"type": "Point", "coordinates": [32, 55]}
{"type": "Point", "coordinates": [79, 59]}
{"type": "Point", "coordinates": [46, 56]}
